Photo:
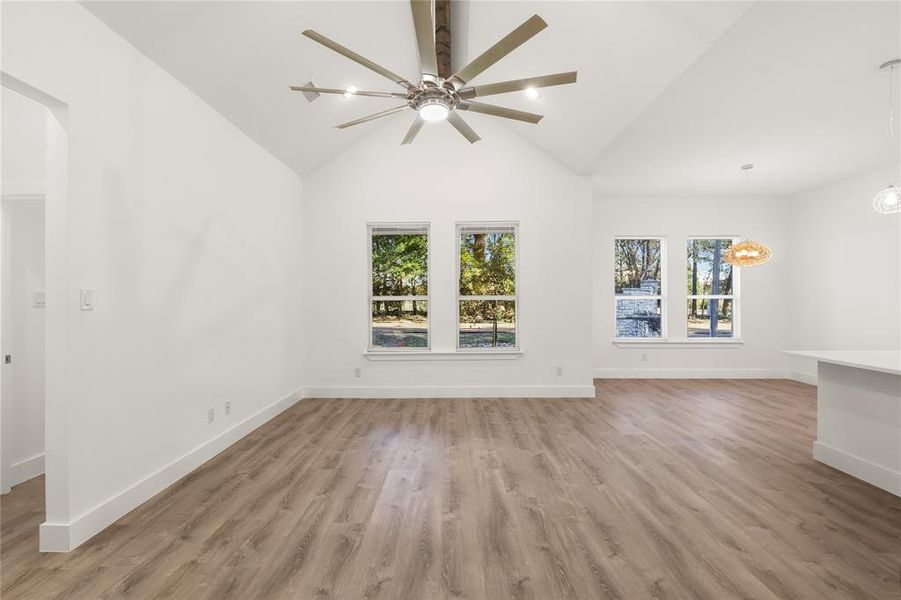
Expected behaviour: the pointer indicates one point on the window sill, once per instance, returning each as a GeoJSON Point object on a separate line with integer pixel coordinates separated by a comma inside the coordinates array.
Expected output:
{"type": "Point", "coordinates": [665, 343]}
{"type": "Point", "coordinates": [461, 355]}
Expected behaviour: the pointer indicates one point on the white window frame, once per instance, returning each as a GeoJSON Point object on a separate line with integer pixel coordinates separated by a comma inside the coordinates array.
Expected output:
{"type": "Point", "coordinates": [662, 296]}
{"type": "Point", "coordinates": [515, 297]}
{"type": "Point", "coordinates": [735, 296]}
{"type": "Point", "coordinates": [413, 227]}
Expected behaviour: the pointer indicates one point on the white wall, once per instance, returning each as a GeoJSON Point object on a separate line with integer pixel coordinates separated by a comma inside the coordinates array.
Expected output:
{"type": "Point", "coordinates": [22, 144]}
{"type": "Point", "coordinates": [442, 180]}
{"type": "Point", "coordinates": [844, 269]}
{"type": "Point", "coordinates": [23, 338]}
{"type": "Point", "coordinates": [189, 234]}
{"type": "Point", "coordinates": [764, 299]}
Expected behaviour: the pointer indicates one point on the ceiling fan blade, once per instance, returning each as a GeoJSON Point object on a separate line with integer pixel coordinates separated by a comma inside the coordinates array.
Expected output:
{"type": "Point", "coordinates": [508, 44]}
{"type": "Point", "coordinates": [371, 117]}
{"type": "Point", "coordinates": [415, 126]}
{"type": "Point", "coordinates": [318, 37]}
{"type": "Point", "coordinates": [460, 125]}
{"type": "Point", "coordinates": [500, 111]}
{"type": "Point", "coordinates": [517, 85]}
{"type": "Point", "coordinates": [305, 88]}
{"type": "Point", "coordinates": [425, 36]}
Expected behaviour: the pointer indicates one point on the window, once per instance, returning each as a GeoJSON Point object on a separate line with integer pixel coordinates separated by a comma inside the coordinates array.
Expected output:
{"type": "Point", "coordinates": [712, 283]}
{"type": "Point", "coordinates": [399, 287]}
{"type": "Point", "coordinates": [638, 287]}
{"type": "Point", "coordinates": [486, 300]}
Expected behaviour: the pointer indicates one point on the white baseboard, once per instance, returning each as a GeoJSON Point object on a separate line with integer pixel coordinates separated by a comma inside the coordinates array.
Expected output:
{"type": "Point", "coordinates": [463, 391]}
{"type": "Point", "coordinates": [802, 377]}
{"type": "Point", "coordinates": [62, 537]}
{"type": "Point", "coordinates": [54, 537]}
{"type": "Point", "coordinates": [24, 470]}
{"type": "Point", "coordinates": [875, 474]}
{"type": "Point", "coordinates": [690, 374]}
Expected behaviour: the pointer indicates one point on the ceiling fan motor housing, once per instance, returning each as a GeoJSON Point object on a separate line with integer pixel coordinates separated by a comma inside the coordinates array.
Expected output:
{"type": "Point", "coordinates": [427, 95]}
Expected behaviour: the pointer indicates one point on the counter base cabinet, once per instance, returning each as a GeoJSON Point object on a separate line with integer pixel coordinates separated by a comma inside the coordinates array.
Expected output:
{"type": "Point", "coordinates": [859, 423]}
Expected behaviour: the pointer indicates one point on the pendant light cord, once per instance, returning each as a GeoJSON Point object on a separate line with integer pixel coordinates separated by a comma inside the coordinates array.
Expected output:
{"type": "Point", "coordinates": [891, 102]}
{"type": "Point", "coordinates": [891, 109]}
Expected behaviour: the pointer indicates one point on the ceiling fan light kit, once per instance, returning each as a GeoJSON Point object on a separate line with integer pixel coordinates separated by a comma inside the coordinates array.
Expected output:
{"type": "Point", "coordinates": [433, 110]}
{"type": "Point", "coordinates": [440, 95]}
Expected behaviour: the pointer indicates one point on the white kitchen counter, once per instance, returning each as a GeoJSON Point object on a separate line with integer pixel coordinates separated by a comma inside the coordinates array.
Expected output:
{"type": "Point", "coordinates": [885, 361]}
{"type": "Point", "coordinates": [859, 414]}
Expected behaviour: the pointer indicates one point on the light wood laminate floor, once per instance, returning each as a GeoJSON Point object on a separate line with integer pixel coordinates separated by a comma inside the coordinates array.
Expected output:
{"type": "Point", "coordinates": [654, 489]}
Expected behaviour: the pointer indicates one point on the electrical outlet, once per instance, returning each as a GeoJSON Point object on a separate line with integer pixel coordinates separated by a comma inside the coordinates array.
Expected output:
{"type": "Point", "coordinates": [358, 372]}
{"type": "Point", "coordinates": [644, 357]}
{"type": "Point", "coordinates": [559, 371]}
{"type": "Point", "coordinates": [210, 415]}
{"type": "Point", "coordinates": [228, 407]}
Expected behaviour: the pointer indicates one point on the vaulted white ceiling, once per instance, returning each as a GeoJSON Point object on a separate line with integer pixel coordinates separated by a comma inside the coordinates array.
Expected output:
{"type": "Point", "coordinates": [671, 97]}
{"type": "Point", "coordinates": [793, 87]}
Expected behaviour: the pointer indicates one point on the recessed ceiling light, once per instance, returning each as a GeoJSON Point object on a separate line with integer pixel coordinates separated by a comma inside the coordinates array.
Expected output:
{"type": "Point", "coordinates": [532, 93]}
{"type": "Point", "coordinates": [350, 91]}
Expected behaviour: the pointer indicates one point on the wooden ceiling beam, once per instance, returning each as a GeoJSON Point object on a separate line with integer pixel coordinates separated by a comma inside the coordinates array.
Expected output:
{"type": "Point", "coordinates": [443, 38]}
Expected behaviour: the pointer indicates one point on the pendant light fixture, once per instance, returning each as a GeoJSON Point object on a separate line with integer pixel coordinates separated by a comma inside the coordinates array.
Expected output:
{"type": "Point", "coordinates": [748, 253]}
{"type": "Point", "coordinates": [888, 200]}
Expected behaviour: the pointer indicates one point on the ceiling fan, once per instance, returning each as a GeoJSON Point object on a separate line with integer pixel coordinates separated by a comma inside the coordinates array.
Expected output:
{"type": "Point", "coordinates": [440, 94]}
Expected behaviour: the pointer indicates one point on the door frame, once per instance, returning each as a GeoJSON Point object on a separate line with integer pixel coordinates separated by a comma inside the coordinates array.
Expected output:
{"type": "Point", "coordinates": [54, 535]}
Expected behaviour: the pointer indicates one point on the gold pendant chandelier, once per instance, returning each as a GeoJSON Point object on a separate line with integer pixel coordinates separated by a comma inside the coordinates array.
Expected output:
{"type": "Point", "coordinates": [748, 254]}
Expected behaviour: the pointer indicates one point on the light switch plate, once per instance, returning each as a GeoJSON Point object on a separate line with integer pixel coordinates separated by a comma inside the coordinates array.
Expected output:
{"type": "Point", "coordinates": [87, 299]}
{"type": "Point", "coordinates": [40, 299]}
